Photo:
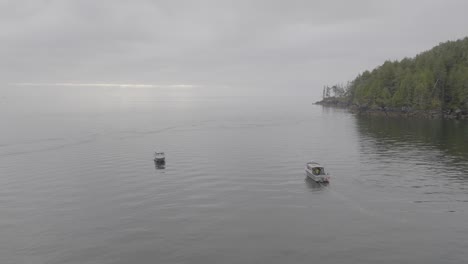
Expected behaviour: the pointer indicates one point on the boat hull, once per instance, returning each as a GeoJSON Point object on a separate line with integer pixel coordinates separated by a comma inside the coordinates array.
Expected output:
{"type": "Point", "coordinates": [160, 161]}
{"type": "Point", "coordinates": [318, 178]}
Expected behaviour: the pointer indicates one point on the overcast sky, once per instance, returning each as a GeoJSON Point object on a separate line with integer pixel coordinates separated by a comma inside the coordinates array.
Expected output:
{"type": "Point", "coordinates": [277, 45]}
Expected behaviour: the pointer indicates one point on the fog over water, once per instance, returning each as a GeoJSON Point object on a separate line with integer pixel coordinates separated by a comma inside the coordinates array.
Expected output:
{"type": "Point", "coordinates": [78, 183]}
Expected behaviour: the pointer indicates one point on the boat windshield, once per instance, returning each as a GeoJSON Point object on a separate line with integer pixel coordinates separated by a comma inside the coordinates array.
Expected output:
{"type": "Point", "coordinates": [318, 170]}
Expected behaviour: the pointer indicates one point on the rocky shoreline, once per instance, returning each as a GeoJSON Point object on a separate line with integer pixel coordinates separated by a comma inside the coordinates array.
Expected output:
{"type": "Point", "coordinates": [457, 114]}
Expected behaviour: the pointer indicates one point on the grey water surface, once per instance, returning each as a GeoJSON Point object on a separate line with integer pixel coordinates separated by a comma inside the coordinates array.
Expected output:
{"type": "Point", "coordinates": [78, 183]}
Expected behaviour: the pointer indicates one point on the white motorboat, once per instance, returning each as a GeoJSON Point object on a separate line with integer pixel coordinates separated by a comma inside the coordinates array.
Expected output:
{"type": "Point", "coordinates": [159, 158]}
{"type": "Point", "coordinates": [316, 172]}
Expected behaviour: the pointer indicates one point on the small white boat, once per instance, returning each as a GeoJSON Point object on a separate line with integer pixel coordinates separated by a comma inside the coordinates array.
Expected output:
{"type": "Point", "coordinates": [316, 172]}
{"type": "Point", "coordinates": [159, 158]}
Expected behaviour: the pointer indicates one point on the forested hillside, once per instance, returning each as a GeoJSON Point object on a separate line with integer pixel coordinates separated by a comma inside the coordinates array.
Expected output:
{"type": "Point", "coordinates": [435, 79]}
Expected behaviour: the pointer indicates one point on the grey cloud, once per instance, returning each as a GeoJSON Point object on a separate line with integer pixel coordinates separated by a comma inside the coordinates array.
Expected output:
{"type": "Point", "coordinates": [245, 43]}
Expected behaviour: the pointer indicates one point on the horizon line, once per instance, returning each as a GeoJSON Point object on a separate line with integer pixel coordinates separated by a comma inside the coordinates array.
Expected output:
{"type": "Point", "coordinates": [121, 85]}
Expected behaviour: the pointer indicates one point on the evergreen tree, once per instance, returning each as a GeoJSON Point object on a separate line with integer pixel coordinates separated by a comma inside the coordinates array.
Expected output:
{"type": "Point", "coordinates": [435, 79]}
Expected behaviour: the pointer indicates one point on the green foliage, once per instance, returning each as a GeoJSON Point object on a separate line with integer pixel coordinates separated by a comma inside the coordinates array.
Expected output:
{"type": "Point", "coordinates": [435, 79]}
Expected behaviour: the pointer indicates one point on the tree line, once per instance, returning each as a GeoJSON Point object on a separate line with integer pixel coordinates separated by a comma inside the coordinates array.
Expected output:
{"type": "Point", "coordinates": [434, 79]}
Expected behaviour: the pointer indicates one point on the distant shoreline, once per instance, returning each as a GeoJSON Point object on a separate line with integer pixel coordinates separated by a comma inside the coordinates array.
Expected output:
{"type": "Point", "coordinates": [396, 112]}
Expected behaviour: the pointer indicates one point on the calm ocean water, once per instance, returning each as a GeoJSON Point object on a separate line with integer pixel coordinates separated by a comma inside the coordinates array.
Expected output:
{"type": "Point", "coordinates": [78, 183]}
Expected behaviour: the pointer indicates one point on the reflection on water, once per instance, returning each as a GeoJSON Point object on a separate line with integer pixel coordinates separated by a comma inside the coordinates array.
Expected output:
{"type": "Point", "coordinates": [448, 136]}
{"type": "Point", "coordinates": [159, 166]}
{"type": "Point", "coordinates": [429, 157]}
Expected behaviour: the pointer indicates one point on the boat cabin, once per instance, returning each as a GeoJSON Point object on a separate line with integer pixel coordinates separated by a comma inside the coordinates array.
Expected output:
{"type": "Point", "coordinates": [316, 168]}
{"type": "Point", "coordinates": [159, 154]}
{"type": "Point", "coordinates": [159, 157]}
